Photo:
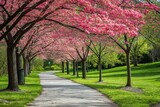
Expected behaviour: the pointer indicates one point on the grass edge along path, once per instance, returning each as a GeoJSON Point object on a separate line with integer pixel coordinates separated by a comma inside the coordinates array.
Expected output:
{"type": "Point", "coordinates": [145, 77]}
{"type": "Point", "coordinates": [28, 92]}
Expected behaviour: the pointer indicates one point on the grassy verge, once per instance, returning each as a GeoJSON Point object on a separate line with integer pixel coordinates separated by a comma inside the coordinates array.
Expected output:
{"type": "Point", "coordinates": [145, 77]}
{"type": "Point", "coordinates": [20, 99]}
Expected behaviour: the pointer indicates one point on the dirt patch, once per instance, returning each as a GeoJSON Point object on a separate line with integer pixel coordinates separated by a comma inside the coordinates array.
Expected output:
{"type": "Point", "coordinates": [131, 89]}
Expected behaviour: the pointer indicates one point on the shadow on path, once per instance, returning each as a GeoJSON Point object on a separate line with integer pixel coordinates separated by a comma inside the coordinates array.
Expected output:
{"type": "Point", "coordinates": [59, 92]}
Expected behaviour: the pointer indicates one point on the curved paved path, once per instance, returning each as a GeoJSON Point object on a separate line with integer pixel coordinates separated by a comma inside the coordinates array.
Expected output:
{"type": "Point", "coordinates": [59, 92]}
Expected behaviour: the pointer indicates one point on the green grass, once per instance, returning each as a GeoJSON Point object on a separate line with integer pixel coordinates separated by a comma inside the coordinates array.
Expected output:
{"type": "Point", "coordinates": [27, 94]}
{"type": "Point", "coordinates": [145, 77]}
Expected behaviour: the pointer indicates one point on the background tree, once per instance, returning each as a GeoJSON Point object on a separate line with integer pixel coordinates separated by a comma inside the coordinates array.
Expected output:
{"type": "Point", "coordinates": [98, 46]}
{"type": "Point", "coordinates": [17, 18]}
{"type": "Point", "coordinates": [140, 47]}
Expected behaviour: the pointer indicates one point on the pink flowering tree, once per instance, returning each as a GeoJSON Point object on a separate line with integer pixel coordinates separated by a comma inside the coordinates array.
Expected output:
{"type": "Point", "coordinates": [151, 29]}
{"type": "Point", "coordinates": [41, 41]}
{"type": "Point", "coordinates": [103, 17]}
{"type": "Point", "coordinates": [72, 52]}
{"type": "Point", "coordinates": [17, 18]}
{"type": "Point", "coordinates": [59, 53]}
{"type": "Point", "coordinates": [119, 20]}
{"type": "Point", "coordinates": [82, 49]}
{"type": "Point", "coordinates": [99, 46]}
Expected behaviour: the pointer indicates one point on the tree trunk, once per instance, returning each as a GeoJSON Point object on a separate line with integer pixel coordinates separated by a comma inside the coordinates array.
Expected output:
{"type": "Point", "coordinates": [18, 61]}
{"type": "Point", "coordinates": [12, 69]}
{"type": "Point", "coordinates": [62, 67]}
{"type": "Point", "coordinates": [67, 64]}
{"type": "Point", "coordinates": [26, 68]}
{"type": "Point", "coordinates": [128, 70]}
{"type": "Point", "coordinates": [29, 67]}
{"type": "Point", "coordinates": [86, 67]}
{"type": "Point", "coordinates": [19, 69]}
{"type": "Point", "coordinates": [74, 67]}
{"type": "Point", "coordinates": [135, 61]}
{"type": "Point", "coordinates": [100, 69]}
{"type": "Point", "coordinates": [77, 68]}
{"type": "Point", "coordinates": [83, 69]}
{"type": "Point", "coordinates": [153, 56]}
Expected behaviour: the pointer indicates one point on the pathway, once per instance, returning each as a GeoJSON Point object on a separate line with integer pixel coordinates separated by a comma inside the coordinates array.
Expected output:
{"type": "Point", "coordinates": [59, 92]}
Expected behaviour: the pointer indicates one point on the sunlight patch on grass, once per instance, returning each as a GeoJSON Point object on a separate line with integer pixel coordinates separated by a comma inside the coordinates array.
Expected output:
{"type": "Point", "coordinates": [20, 99]}
{"type": "Point", "coordinates": [145, 77]}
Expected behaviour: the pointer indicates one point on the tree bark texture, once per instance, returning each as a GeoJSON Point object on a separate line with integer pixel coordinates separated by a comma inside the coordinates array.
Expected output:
{"type": "Point", "coordinates": [135, 61]}
{"type": "Point", "coordinates": [67, 65]}
{"type": "Point", "coordinates": [100, 69]}
{"type": "Point", "coordinates": [62, 67]}
{"type": "Point", "coordinates": [12, 69]}
{"type": "Point", "coordinates": [26, 67]}
{"type": "Point", "coordinates": [77, 68]}
{"type": "Point", "coordinates": [128, 70]}
{"type": "Point", "coordinates": [83, 69]}
{"type": "Point", "coordinates": [74, 67]}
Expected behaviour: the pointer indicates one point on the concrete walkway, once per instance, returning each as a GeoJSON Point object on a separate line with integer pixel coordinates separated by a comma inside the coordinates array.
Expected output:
{"type": "Point", "coordinates": [58, 92]}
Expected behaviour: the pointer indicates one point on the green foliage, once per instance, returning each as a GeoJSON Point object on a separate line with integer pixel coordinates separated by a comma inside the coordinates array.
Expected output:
{"type": "Point", "coordinates": [145, 77]}
{"type": "Point", "coordinates": [3, 58]}
{"type": "Point", "coordinates": [55, 67]}
{"type": "Point", "coordinates": [37, 64]}
{"type": "Point", "coordinates": [20, 99]}
{"type": "Point", "coordinates": [47, 63]}
{"type": "Point", "coordinates": [140, 47]}
{"type": "Point", "coordinates": [121, 60]}
{"type": "Point", "coordinates": [110, 58]}
{"type": "Point", "coordinates": [151, 29]}
{"type": "Point", "coordinates": [144, 47]}
{"type": "Point", "coordinates": [48, 68]}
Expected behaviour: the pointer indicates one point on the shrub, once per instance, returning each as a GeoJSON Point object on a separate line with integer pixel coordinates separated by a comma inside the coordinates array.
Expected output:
{"type": "Point", "coordinates": [37, 64]}
{"type": "Point", "coordinates": [55, 67]}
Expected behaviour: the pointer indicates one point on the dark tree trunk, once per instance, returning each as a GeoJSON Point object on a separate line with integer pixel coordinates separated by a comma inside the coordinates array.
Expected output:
{"type": "Point", "coordinates": [12, 69]}
{"type": "Point", "coordinates": [153, 55]}
{"type": "Point", "coordinates": [26, 67]}
{"type": "Point", "coordinates": [62, 67]}
{"type": "Point", "coordinates": [19, 68]}
{"type": "Point", "coordinates": [18, 60]}
{"type": "Point", "coordinates": [77, 68]}
{"type": "Point", "coordinates": [67, 65]}
{"type": "Point", "coordinates": [87, 67]}
{"type": "Point", "coordinates": [100, 69]}
{"type": "Point", "coordinates": [128, 70]}
{"type": "Point", "coordinates": [29, 67]}
{"type": "Point", "coordinates": [74, 67]}
{"type": "Point", "coordinates": [84, 69]}
{"type": "Point", "coordinates": [135, 61]}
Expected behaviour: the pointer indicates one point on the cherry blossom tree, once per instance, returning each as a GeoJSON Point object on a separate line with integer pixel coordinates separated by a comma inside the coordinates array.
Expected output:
{"type": "Point", "coordinates": [16, 19]}
{"type": "Point", "coordinates": [99, 45]}
{"type": "Point", "coordinates": [118, 20]}
{"type": "Point", "coordinates": [93, 17]}
{"type": "Point", "coordinates": [36, 46]}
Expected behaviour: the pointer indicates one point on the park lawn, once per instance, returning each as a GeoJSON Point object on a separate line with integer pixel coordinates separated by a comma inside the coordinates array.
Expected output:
{"type": "Point", "coordinates": [145, 77]}
{"type": "Point", "coordinates": [27, 94]}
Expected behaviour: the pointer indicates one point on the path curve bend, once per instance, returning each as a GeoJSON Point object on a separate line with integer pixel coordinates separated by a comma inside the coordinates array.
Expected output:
{"type": "Point", "coordinates": [59, 92]}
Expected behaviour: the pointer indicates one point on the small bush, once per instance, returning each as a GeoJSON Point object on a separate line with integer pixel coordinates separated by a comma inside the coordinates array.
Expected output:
{"type": "Point", "coordinates": [37, 64]}
{"type": "Point", "coordinates": [48, 68]}
{"type": "Point", "coordinates": [55, 67]}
